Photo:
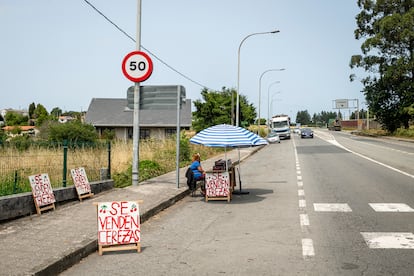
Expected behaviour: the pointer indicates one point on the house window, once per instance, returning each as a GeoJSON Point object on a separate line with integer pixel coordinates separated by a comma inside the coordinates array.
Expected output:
{"type": "Point", "coordinates": [170, 132]}
{"type": "Point", "coordinates": [144, 133]}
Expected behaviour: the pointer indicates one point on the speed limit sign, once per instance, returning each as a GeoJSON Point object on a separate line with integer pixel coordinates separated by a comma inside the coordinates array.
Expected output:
{"type": "Point", "coordinates": [137, 66]}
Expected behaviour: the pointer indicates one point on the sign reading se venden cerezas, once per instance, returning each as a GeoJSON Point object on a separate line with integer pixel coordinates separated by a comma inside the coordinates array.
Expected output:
{"type": "Point", "coordinates": [118, 223]}
{"type": "Point", "coordinates": [42, 189]}
{"type": "Point", "coordinates": [80, 180]}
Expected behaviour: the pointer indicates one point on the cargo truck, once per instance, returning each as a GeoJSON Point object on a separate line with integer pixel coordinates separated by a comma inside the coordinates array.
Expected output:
{"type": "Point", "coordinates": [334, 124]}
{"type": "Point", "coordinates": [280, 124]}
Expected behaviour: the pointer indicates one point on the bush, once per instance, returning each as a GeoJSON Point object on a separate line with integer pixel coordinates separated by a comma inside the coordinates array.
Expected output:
{"type": "Point", "coordinates": [403, 132]}
{"type": "Point", "coordinates": [185, 151]}
{"type": "Point", "coordinates": [74, 132]}
{"type": "Point", "coordinates": [21, 143]}
{"type": "Point", "coordinates": [147, 169]}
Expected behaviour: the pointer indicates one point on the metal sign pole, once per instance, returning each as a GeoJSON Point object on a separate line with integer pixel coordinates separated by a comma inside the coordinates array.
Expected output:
{"type": "Point", "coordinates": [135, 128]}
{"type": "Point", "coordinates": [178, 137]}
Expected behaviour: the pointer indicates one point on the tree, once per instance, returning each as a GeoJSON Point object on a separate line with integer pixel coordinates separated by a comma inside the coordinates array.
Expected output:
{"type": "Point", "coordinates": [32, 108]}
{"type": "Point", "coordinates": [247, 112]}
{"type": "Point", "coordinates": [388, 57]}
{"type": "Point", "coordinates": [303, 117]}
{"type": "Point", "coordinates": [15, 119]}
{"type": "Point", "coordinates": [56, 112]}
{"type": "Point", "coordinates": [40, 114]}
{"type": "Point", "coordinates": [216, 108]}
{"type": "Point", "coordinates": [324, 117]}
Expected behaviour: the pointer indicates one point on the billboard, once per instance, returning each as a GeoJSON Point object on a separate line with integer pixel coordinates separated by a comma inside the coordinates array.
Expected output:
{"type": "Point", "coordinates": [341, 103]}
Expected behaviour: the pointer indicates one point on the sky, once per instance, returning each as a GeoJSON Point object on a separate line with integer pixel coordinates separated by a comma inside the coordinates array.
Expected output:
{"type": "Point", "coordinates": [64, 53]}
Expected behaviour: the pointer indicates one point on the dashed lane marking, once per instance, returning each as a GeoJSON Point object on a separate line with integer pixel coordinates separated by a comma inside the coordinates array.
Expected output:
{"type": "Point", "coordinates": [307, 248]}
{"type": "Point", "coordinates": [331, 207]}
{"type": "Point", "coordinates": [307, 243]}
{"type": "Point", "coordinates": [391, 207]}
{"type": "Point", "coordinates": [304, 220]}
{"type": "Point", "coordinates": [389, 240]}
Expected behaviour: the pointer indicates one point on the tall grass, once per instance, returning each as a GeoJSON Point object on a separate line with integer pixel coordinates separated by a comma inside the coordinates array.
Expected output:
{"type": "Point", "coordinates": [156, 157]}
{"type": "Point", "coordinates": [17, 165]}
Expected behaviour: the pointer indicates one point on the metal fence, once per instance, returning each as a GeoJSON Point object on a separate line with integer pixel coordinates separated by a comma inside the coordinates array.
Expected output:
{"type": "Point", "coordinates": [54, 159]}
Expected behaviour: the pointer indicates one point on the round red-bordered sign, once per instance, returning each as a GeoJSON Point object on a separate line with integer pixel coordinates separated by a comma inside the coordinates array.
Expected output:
{"type": "Point", "coordinates": [137, 66]}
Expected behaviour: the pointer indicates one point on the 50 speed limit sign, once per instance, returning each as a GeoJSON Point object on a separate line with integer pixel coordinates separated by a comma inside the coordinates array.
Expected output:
{"type": "Point", "coordinates": [137, 66]}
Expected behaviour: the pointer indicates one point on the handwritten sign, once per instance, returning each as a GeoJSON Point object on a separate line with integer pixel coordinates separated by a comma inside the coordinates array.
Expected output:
{"type": "Point", "coordinates": [81, 181]}
{"type": "Point", "coordinates": [217, 184]}
{"type": "Point", "coordinates": [42, 189]}
{"type": "Point", "coordinates": [118, 223]}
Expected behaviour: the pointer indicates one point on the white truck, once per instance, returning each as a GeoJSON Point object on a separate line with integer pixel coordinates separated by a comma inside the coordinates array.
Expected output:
{"type": "Point", "coordinates": [281, 125]}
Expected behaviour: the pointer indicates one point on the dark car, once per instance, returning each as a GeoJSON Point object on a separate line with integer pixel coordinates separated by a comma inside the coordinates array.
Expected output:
{"type": "Point", "coordinates": [306, 133]}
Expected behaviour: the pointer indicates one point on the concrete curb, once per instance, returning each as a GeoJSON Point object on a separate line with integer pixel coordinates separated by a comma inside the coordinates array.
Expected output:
{"type": "Point", "coordinates": [65, 262]}
{"type": "Point", "coordinates": [55, 267]}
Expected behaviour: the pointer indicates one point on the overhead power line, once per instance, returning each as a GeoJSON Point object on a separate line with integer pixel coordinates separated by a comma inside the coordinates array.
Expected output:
{"type": "Point", "coordinates": [142, 46]}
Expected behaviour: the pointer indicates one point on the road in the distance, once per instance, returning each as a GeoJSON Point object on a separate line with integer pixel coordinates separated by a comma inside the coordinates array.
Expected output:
{"type": "Point", "coordinates": [308, 213]}
{"type": "Point", "coordinates": [388, 151]}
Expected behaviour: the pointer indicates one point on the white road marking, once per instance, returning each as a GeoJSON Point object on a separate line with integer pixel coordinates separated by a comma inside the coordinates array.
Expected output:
{"type": "Point", "coordinates": [331, 207]}
{"type": "Point", "coordinates": [304, 220]}
{"type": "Point", "coordinates": [386, 148]}
{"type": "Point", "coordinates": [307, 248]}
{"type": "Point", "coordinates": [334, 142]}
{"type": "Point", "coordinates": [307, 244]}
{"type": "Point", "coordinates": [388, 240]}
{"type": "Point", "coordinates": [391, 207]}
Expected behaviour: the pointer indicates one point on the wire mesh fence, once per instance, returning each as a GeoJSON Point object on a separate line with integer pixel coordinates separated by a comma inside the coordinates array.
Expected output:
{"type": "Point", "coordinates": [54, 159]}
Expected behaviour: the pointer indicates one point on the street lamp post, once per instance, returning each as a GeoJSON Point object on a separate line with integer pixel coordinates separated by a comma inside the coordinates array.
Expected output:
{"type": "Point", "coordinates": [268, 100]}
{"type": "Point", "coordinates": [274, 100]}
{"type": "Point", "coordinates": [260, 93]}
{"type": "Point", "coordinates": [238, 72]}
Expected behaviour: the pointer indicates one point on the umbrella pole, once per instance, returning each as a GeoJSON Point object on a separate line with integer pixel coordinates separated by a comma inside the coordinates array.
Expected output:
{"type": "Point", "coordinates": [240, 192]}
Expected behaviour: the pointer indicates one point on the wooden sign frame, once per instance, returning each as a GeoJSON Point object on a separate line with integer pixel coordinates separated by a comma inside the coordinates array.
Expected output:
{"type": "Point", "coordinates": [81, 182]}
{"type": "Point", "coordinates": [218, 185]}
{"type": "Point", "coordinates": [43, 196]}
{"type": "Point", "coordinates": [119, 226]}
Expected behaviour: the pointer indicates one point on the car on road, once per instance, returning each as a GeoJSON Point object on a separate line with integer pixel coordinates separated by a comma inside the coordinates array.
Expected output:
{"type": "Point", "coordinates": [296, 130]}
{"type": "Point", "coordinates": [273, 137]}
{"type": "Point", "coordinates": [306, 133]}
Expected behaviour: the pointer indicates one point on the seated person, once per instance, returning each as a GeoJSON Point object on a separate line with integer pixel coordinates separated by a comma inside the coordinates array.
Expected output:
{"type": "Point", "coordinates": [195, 166]}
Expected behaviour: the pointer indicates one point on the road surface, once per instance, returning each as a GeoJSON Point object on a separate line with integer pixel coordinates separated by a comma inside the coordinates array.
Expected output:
{"type": "Point", "coordinates": [333, 205]}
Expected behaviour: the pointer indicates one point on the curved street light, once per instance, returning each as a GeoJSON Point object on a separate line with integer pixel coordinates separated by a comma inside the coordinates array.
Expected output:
{"type": "Point", "coordinates": [268, 100]}
{"type": "Point", "coordinates": [238, 71]}
{"type": "Point", "coordinates": [260, 92]}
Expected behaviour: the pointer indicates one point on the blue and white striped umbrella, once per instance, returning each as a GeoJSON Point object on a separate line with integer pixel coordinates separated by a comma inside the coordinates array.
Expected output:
{"type": "Point", "coordinates": [227, 136]}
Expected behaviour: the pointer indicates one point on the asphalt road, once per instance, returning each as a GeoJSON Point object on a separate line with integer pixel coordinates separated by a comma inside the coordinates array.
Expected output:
{"type": "Point", "coordinates": [313, 208]}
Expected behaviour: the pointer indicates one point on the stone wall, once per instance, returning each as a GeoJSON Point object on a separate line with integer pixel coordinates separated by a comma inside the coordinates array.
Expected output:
{"type": "Point", "coordinates": [19, 205]}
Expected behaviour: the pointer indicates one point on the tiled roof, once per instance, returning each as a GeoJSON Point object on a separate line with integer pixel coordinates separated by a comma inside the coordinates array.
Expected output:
{"type": "Point", "coordinates": [22, 128]}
